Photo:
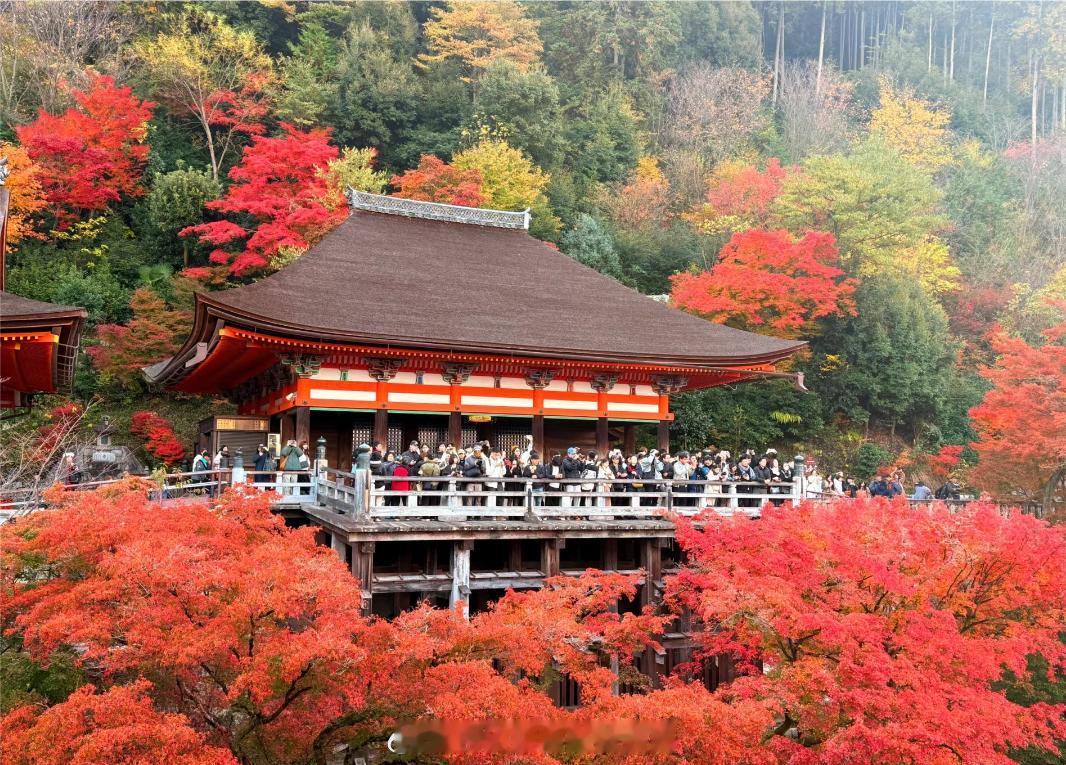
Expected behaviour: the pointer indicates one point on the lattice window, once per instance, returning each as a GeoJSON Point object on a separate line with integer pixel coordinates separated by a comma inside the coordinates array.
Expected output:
{"type": "Point", "coordinates": [362, 434]}
{"type": "Point", "coordinates": [394, 441]}
{"type": "Point", "coordinates": [510, 437]}
{"type": "Point", "coordinates": [468, 437]}
{"type": "Point", "coordinates": [431, 436]}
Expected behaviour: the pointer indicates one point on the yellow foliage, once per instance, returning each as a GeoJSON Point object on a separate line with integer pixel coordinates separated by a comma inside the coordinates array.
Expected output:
{"type": "Point", "coordinates": [355, 168]}
{"type": "Point", "coordinates": [929, 263]}
{"type": "Point", "coordinates": [913, 127]}
{"type": "Point", "coordinates": [509, 180]}
{"type": "Point", "coordinates": [478, 33]}
{"type": "Point", "coordinates": [26, 196]}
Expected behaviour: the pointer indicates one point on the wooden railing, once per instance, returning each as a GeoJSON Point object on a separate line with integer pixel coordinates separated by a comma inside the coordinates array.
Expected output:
{"type": "Point", "coordinates": [472, 498]}
{"type": "Point", "coordinates": [371, 497]}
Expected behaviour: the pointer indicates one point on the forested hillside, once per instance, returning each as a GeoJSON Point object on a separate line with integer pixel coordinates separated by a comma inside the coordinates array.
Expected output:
{"type": "Point", "coordinates": [885, 180]}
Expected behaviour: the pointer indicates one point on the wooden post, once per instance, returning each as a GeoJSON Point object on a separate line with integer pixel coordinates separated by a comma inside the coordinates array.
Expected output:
{"type": "Point", "coordinates": [336, 541]}
{"type": "Point", "coordinates": [461, 575]}
{"type": "Point", "coordinates": [652, 563]}
{"type": "Point", "coordinates": [663, 435]}
{"type": "Point", "coordinates": [381, 426]}
{"type": "Point", "coordinates": [303, 424]}
{"type": "Point", "coordinates": [514, 555]}
{"type": "Point", "coordinates": [610, 554]}
{"type": "Point", "coordinates": [363, 571]}
{"type": "Point", "coordinates": [629, 439]}
{"type": "Point", "coordinates": [603, 443]}
{"type": "Point", "coordinates": [538, 436]}
{"type": "Point", "coordinates": [455, 429]}
{"type": "Point", "coordinates": [549, 556]}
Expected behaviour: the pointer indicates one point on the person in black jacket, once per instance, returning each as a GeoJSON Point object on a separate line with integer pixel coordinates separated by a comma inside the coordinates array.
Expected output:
{"type": "Point", "coordinates": [474, 467]}
{"type": "Point", "coordinates": [537, 473]}
{"type": "Point", "coordinates": [573, 470]}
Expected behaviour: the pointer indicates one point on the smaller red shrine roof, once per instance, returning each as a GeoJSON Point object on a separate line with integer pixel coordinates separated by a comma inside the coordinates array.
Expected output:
{"type": "Point", "coordinates": [39, 343]}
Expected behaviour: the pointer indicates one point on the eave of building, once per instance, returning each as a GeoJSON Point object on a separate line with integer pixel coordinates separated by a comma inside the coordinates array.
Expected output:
{"type": "Point", "coordinates": [213, 321]}
{"type": "Point", "coordinates": [241, 354]}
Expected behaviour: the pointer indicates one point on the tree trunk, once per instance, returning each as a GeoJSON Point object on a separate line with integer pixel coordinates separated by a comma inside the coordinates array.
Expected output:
{"type": "Point", "coordinates": [988, 55]}
{"type": "Point", "coordinates": [951, 64]}
{"type": "Point", "coordinates": [779, 51]}
{"type": "Point", "coordinates": [929, 63]}
{"type": "Point", "coordinates": [862, 38]}
{"type": "Point", "coordinates": [821, 53]}
{"type": "Point", "coordinates": [843, 41]}
{"type": "Point", "coordinates": [1034, 102]}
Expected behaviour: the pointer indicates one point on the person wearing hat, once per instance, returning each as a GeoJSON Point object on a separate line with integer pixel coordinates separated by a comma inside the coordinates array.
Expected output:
{"type": "Point", "coordinates": [474, 467]}
{"type": "Point", "coordinates": [573, 470]}
{"type": "Point", "coordinates": [922, 493]}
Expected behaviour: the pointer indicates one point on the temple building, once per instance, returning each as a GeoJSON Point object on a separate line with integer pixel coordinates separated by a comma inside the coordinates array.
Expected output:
{"type": "Point", "coordinates": [422, 321]}
{"type": "Point", "coordinates": [38, 341]}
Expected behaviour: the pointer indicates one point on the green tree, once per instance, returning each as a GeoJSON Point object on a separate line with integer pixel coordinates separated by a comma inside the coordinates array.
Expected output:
{"type": "Point", "coordinates": [590, 243]}
{"type": "Point", "coordinates": [307, 86]}
{"type": "Point", "coordinates": [377, 93]}
{"type": "Point", "coordinates": [723, 34]}
{"type": "Point", "coordinates": [594, 44]}
{"type": "Point", "coordinates": [177, 200]}
{"type": "Point", "coordinates": [523, 106]}
{"type": "Point", "coordinates": [871, 200]}
{"type": "Point", "coordinates": [980, 200]}
{"type": "Point", "coordinates": [891, 363]}
{"type": "Point", "coordinates": [602, 138]}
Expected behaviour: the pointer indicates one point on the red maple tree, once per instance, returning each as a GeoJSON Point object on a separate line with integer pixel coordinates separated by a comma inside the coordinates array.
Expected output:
{"type": "Point", "coordinates": [946, 460]}
{"type": "Point", "coordinates": [254, 633]}
{"type": "Point", "coordinates": [767, 281]}
{"type": "Point", "coordinates": [160, 439]}
{"type": "Point", "coordinates": [1021, 423]}
{"type": "Point", "coordinates": [878, 633]}
{"type": "Point", "coordinates": [436, 181]}
{"type": "Point", "coordinates": [282, 197]}
{"type": "Point", "coordinates": [92, 155]}
{"type": "Point", "coordinates": [119, 726]}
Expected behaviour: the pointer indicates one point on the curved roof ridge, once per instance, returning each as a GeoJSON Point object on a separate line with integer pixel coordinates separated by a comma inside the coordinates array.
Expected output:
{"type": "Point", "coordinates": [416, 208]}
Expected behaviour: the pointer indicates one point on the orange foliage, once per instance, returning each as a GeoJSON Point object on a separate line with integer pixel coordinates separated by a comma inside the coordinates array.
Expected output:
{"type": "Point", "coordinates": [767, 281]}
{"type": "Point", "coordinates": [153, 334]}
{"type": "Point", "coordinates": [1021, 423]}
{"type": "Point", "coordinates": [739, 196]}
{"type": "Point", "coordinates": [436, 181]}
{"type": "Point", "coordinates": [26, 195]}
{"type": "Point", "coordinates": [117, 727]}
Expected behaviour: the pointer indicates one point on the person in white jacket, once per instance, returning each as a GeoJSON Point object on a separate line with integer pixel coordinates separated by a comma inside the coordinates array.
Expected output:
{"type": "Point", "coordinates": [494, 468]}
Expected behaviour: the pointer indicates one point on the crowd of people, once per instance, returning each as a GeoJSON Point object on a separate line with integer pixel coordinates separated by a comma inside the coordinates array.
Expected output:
{"type": "Point", "coordinates": [582, 477]}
